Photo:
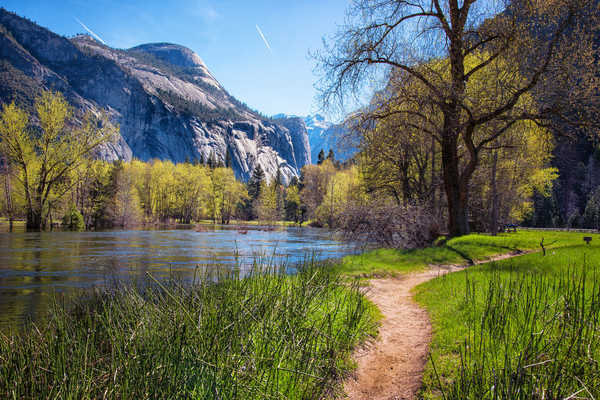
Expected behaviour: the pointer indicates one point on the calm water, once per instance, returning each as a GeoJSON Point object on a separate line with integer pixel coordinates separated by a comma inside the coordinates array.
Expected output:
{"type": "Point", "coordinates": [35, 266]}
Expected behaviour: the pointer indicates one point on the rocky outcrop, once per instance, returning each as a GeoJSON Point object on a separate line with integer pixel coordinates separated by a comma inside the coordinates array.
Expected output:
{"type": "Point", "coordinates": [167, 103]}
{"type": "Point", "coordinates": [300, 138]}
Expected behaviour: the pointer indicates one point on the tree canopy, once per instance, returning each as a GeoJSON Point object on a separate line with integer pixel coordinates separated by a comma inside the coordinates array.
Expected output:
{"type": "Point", "coordinates": [464, 72]}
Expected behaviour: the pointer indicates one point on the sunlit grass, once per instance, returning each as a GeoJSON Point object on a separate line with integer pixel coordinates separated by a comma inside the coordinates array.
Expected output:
{"type": "Point", "coordinates": [461, 250]}
{"type": "Point", "coordinates": [523, 328]}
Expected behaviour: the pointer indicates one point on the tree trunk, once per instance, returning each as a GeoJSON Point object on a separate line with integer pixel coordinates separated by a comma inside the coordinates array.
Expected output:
{"type": "Point", "coordinates": [35, 217]}
{"type": "Point", "coordinates": [34, 220]}
{"type": "Point", "coordinates": [494, 214]}
{"type": "Point", "coordinates": [456, 188]}
{"type": "Point", "coordinates": [8, 195]}
{"type": "Point", "coordinates": [433, 178]}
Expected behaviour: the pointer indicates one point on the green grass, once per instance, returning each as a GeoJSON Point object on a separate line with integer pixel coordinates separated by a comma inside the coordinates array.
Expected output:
{"type": "Point", "coordinates": [523, 328]}
{"type": "Point", "coordinates": [266, 336]}
{"type": "Point", "coordinates": [462, 250]}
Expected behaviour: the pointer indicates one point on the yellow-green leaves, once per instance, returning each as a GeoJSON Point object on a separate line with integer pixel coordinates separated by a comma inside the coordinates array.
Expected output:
{"type": "Point", "coordinates": [14, 138]}
{"type": "Point", "coordinates": [46, 155]}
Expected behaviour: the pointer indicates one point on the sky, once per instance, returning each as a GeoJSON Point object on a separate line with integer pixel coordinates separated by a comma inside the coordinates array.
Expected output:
{"type": "Point", "coordinates": [258, 50]}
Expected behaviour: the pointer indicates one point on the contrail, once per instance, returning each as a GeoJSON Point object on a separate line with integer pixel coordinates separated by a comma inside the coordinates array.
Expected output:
{"type": "Point", "coordinates": [90, 31]}
{"type": "Point", "coordinates": [264, 38]}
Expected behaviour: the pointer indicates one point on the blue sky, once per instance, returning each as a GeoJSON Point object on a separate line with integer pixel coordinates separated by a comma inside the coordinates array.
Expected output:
{"type": "Point", "coordinates": [222, 32]}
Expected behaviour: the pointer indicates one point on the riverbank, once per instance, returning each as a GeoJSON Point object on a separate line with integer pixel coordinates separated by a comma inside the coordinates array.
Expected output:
{"type": "Point", "coordinates": [464, 250]}
{"type": "Point", "coordinates": [280, 336]}
{"type": "Point", "coordinates": [269, 335]}
{"type": "Point", "coordinates": [521, 328]}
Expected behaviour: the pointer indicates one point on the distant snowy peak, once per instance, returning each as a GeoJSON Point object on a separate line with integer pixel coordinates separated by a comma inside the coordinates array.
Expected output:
{"type": "Point", "coordinates": [322, 135]}
{"type": "Point", "coordinates": [325, 135]}
{"type": "Point", "coordinates": [317, 121]}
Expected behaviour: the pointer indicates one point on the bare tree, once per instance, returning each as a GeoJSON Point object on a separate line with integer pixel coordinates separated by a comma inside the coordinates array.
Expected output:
{"type": "Point", "coordinates": [467, 71]}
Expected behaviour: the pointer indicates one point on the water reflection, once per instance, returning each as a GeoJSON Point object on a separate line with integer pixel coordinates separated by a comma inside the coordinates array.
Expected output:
{"type": "Point", "coordinates": [34, 266]}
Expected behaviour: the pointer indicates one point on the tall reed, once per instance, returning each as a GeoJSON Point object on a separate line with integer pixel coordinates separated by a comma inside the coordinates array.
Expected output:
{"type": "Point", "coordinates": [266, 335]}
{"type": "Point", "coordinates": [528, 336]}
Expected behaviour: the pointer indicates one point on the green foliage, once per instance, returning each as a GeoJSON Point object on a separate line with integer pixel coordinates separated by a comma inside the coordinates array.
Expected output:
{"type": "Point", "coordinates": [46, 156]}
{"type": "Point", "coordinates": [73, 220]}
{"type": "Point", "coordinates": [268, 335]}
{"type": "Point", "coordinates": [256, 181]}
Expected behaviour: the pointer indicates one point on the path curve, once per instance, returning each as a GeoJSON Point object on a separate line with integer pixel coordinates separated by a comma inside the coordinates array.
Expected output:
{"type": "Point", "coordinates": [391, 368]}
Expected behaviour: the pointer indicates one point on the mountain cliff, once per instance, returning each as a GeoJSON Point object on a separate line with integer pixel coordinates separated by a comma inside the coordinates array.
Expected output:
{"type": "Point", "coordinates": [166, 101]}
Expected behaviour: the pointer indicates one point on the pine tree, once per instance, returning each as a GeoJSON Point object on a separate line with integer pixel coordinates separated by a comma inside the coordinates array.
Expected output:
{"type": "Point", "coordinates": [294, 181]}
{"type": "Point", "coordinates": [255, 182]}
{"type": "Point", "coordinates": [331, 156]}
{"type": "Point", "coordinates": [321, 157]}
{"type": "Point", "coordinates": [254, 186]}
{"type": "Point", "coordinates": [212, 161]}
{"type": "Point", "coordinates": [228, 159]}
{"type": "Point", "coordinates": [278, 177]}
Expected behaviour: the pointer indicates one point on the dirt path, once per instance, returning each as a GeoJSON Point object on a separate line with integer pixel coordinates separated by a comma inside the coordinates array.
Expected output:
{"type": "Point", "coordinates": [392, 367]}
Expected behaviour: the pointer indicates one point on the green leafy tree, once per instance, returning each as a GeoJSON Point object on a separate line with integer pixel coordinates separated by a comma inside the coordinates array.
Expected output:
{"type": "Point", "coordinates": [46, 156]}
{"type": "Point", "coordinates": [465, 115]}
{"type": "Point", "coordinates": [73, 220]}
{"type": "Point", "coordinates": [228, 159]}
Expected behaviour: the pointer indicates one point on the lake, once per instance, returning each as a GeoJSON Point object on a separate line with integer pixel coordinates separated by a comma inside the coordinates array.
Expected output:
{"type": "Point", "coordinates": [34, 266]}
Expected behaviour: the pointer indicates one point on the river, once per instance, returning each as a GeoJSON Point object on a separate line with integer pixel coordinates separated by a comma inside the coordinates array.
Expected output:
{"type": "Point", "coordinates": [36, 267]}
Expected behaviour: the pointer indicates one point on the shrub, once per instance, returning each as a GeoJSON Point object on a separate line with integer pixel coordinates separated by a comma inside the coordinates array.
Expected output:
{"type": "Point", "coordinates": [385, 224]}
{"type": "Point", "coordinates": [73, 220]}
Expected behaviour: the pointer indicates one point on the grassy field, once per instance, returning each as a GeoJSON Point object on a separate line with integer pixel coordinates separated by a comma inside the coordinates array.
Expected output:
{"type": "Point", "coordinates": [462, 250]}
{"type": "Point", "coordinates": [267, 336]}
{"type": "Point", "coordinates": [523, 328]}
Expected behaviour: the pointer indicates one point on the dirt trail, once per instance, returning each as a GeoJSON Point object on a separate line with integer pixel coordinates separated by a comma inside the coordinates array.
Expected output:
{"type": "Point", "coordinates": [391, 368]}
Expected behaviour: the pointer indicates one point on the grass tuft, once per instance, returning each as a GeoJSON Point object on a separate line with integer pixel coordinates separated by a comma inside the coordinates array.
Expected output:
{"type": "Point", "coordinates": [265, 336]}
{"type": "Point", "coordinates": [525, 328]}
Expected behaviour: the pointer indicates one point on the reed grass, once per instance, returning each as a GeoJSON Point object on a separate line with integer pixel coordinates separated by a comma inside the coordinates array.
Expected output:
{"type": "Point", "coordinates": [265, 335]}
{"type": "Point", "coordinates": [527, 328]}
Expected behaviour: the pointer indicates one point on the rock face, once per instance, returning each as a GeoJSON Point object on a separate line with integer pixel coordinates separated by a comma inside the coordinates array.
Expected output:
{"type": "Point", "coordinates": [166, 101]}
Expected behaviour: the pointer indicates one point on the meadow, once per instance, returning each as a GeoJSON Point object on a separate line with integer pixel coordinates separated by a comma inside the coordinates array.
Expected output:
{"type": "Point", "coordinates": [462, 250]}
{"type": "Point", "coordinates": [521, 328]}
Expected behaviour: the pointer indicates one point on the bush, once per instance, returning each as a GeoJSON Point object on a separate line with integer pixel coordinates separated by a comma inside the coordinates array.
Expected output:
{"type": "Point", "coordinates": [402, 227]}
{"type": "Point", "coordinates": [73, 220]}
